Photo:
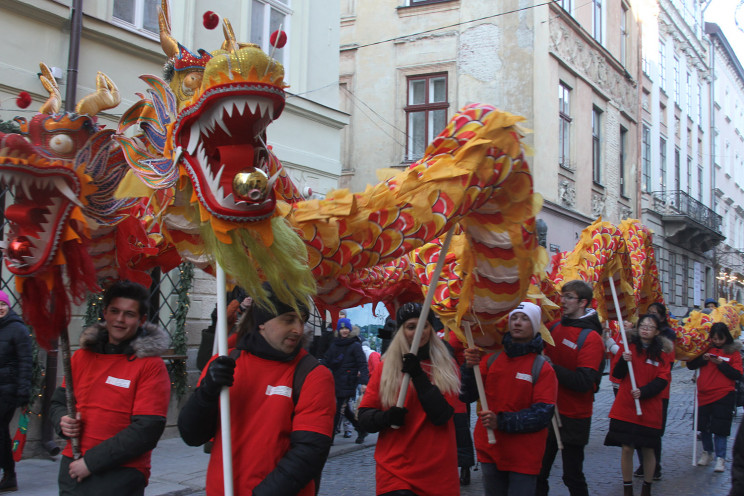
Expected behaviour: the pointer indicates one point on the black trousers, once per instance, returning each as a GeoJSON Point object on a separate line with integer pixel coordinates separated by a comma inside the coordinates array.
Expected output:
{"type": "Point", "coordinates": [7, 409]}
{"type": "Point", "coordinates": [120, 481]}
{"type": "Point", "coordinates": [348, 413]}
{"type": "Point", "coordinates": [465, 456]}
{"type": "Point", "coordinates": [573, 468]}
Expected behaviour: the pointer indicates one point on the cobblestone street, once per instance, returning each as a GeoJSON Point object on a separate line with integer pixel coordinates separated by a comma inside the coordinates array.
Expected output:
{"type": "Point", "coordinates": [352, 474]}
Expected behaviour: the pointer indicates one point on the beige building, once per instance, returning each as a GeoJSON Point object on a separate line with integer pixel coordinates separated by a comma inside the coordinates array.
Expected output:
{"type": "Point", "coordinates": [570, 68]}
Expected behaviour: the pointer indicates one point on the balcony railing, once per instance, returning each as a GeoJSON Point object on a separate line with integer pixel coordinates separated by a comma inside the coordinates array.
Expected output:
{"type": "Point", "coordinates": [680, 203]}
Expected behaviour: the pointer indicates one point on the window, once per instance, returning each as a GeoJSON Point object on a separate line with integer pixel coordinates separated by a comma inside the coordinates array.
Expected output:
{"type": "Point", "coordinates": [597, 20]}
{"type": "Point", "coordinates": [266, 17]}
{"type": "Point", "coordinates": [426, 112]}
{"type": "Point", "coordinates": [596, 143]}
{"type": "Point", "coordinates": [688, 88]}
{"type": "Point", "coordinates": [624, 35]}
{"type": "Point", "coordinates": [646, 160]}
{"type": "Point", "coordinates": [564, 126]}
{"type": "Point", "coordinates": [676, 80]}
{"type": "Point", "coordinates": [662, 164]}
{"type": "Point", "coordinates": [623, 145]}
{"type": "Point", "coordinates": [662, 65]}
{"type": "Point", "coordinates": [645, 65]}
{"type": "Point", "coordinates": [700, 104]}
{"type": "Point", "coordinates": [141, 15]}
{"type": "Point", "coordinates": [700, 183]}
{"type": "Point", "coordinates": [689, 176]}
{"type": "Point", "coordinates": [677, 171]}
{"type": "Point", "coordinates": [567, 5]}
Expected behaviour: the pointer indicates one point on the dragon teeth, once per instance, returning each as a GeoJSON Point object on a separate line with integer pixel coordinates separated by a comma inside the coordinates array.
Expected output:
{"type": "Point", "coordinates": [194, 138]}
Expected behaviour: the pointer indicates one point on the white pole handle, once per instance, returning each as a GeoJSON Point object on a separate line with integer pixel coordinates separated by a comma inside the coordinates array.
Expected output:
{"type": "Point", "coordinates": [424, 314]}
{"type": "Point", "coordinates": [695, 421]}
{"type": "Point", "coordinates": [221, 335]}
{"type": "Point", "coordinates": [625, 342]}
{"type": "Point", "coordinates": [479, 381]}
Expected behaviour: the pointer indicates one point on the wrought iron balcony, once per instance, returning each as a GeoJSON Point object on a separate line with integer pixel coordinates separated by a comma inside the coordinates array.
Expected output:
{"type": "Point", "coordinates": [687, 222]}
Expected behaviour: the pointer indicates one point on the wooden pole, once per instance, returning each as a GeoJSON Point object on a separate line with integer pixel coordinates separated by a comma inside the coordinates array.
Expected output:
{"type": "Point", "coordinates": [479, 381]}
{"type": "Point", "coordinates": [221, 335]}
{"type": "Point", "coordinates": [424, 314]}
{"type": "Point", "coordinates": [64, 339]}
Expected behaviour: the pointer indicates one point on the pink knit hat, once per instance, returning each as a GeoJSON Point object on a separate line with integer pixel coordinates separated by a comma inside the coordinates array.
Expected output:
{"type": "Point", "coordinates": [4, 298]}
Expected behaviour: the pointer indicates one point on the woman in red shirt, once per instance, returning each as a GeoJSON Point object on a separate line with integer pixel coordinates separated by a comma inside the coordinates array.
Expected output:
{"type": "Point", "coordinates": [647, 353]}
{"type": "Point", "coordinates": [420, 457]}
{"type": "Point", "coordinates": [720, 367]}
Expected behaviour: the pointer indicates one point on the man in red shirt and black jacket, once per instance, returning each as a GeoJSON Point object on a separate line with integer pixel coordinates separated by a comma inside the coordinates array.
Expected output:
{"type": "Point", "coordinates": [576, 356]}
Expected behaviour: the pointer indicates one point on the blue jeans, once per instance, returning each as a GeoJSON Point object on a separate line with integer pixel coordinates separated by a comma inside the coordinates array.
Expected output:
{"type": "Point", "coordinates": [714, 440]}
{"type": "Point", "coordinates": [501, 483]}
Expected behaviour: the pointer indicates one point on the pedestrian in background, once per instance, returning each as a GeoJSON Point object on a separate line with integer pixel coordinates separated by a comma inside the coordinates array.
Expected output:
{"type": "Point", "coordinates": [521, 401]}
{"type": "Point", "coordinates": [419, 457]}
{"type": "Point", "coordinates": [348, 363]}
{"type": "Point", "coordinates": [15, 383]}
{"type": "Point", "coordinates": [465, 456]}
{"type": "Point", "coordinates": [649, 354]}
{"type": "Point", "coordinates": [720, 367]}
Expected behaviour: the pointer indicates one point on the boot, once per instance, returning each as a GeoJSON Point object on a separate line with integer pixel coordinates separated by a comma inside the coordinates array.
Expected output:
{"type": "Point", "coordinates": [360, 437]}
{"type": "Point", "coordinates": [638, 472]}
{"type": "Point", "coordinates": [720, 465]}
{"type": "Point", "coordinates": [705, 458]}
{"type": "Point", "coordinates": [8, 483]}
{"type": "Point", "coordinates": [646, 489]}
{"type": "Point", "coordinates": [465, 476]}
{"type": "Point", "coordinates": [627, 488]}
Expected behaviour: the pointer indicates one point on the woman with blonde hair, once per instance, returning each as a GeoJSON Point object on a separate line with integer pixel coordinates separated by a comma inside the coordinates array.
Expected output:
{"type": "Point", "coordinates": [420, 457]}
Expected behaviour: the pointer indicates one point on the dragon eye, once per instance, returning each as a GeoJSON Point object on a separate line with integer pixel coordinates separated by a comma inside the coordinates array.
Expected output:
{"type": "Point", "coordinates": [61, 143]}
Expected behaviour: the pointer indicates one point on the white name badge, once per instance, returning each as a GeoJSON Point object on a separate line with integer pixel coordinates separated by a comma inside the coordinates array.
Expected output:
{"type": "Point", "coordinates": [122, 383]}
{"type": "Point", "coordinates": [524, 377]}
{"type": "Point", "coordinates": [651, 362]}
{"type": "Point", "coordinates": [570, 344]}
{"type": "Point", "coordinates": [279, 390]}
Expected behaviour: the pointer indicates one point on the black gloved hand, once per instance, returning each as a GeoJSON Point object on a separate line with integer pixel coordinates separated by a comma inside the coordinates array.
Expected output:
{"type": "Point", "coordinates": [219, 374]}
{"type": "Point", "coordinates": [22, 401]}
{"type": "Point", "coordinates": [412, 365]}
{"type": "Point", "coordinates": [397, 415]}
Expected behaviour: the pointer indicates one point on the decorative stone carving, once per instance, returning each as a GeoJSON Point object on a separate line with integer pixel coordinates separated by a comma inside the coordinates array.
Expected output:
{"type": "Point", "coordinates": [598, 204]}
{"type": "Point", "coordinates": [625, 212]}
{"type": "Point", "coordinates": [567, 193]}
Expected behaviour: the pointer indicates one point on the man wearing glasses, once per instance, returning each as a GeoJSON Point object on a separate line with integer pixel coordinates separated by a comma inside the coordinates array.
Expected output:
{"type": "Point", "coordinates": [576, 355]}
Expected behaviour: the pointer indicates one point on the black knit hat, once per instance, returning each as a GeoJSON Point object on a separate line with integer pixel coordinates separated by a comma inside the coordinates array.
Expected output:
{"type": "Point", "coordinates": [262, 315]}
{"type": "Point", "coordinates": [412, 311]}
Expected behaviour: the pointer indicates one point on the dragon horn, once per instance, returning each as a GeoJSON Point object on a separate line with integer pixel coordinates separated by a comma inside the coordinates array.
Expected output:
{"type": "Point", "coordinates": [54, 102]}
{"type": "Point", "coordinates": [106, 97]}
{"type": "Point", "coordinates": [230, 43]}
{"type": "Point", "coordinates": [167, 42]}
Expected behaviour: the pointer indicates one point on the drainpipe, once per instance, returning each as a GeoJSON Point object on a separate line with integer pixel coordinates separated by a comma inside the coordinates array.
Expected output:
{"type": "Point", "coordinates": [639, 127]}
{"type": "Point", "coordinates": [76, 28]}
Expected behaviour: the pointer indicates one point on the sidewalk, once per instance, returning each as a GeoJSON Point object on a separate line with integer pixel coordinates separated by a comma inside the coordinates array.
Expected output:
{"type": "Point", "coordinates": [177, 469]}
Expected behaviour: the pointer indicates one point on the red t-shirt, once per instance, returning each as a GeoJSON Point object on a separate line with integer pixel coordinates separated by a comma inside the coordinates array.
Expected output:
{"type": "Point", "coordinates": [420, 456]}
{"type": "Point", "coordinates": [261, 419]}
{"type": "Point", "coordinates": [509, 388]}
{"type": "Point", "coordinates": [110, 389]}
{"type": "Point", "coordinates": [645, 370]}
{"type": "Point", "coordinates": [712, 385]}
{"type": "Point", "coordinates": [564, 352]}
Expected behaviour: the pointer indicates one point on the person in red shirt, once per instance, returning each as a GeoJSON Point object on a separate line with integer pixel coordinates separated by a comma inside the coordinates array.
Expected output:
{"type": "Point", "coordinates": [720, 367]}
{"type": "Point", "coordinates": [420, 457]}
{"type": "Point", "coordinates": [279, 445]}
{"type": "Point", "coordinates": [576, 366]}
{"type": "Point", "coordinates": [649, 354]}
{"type": "Point", "coordinates": [520, 411]}
{"type": "Point", "coordinates": [122, 390]}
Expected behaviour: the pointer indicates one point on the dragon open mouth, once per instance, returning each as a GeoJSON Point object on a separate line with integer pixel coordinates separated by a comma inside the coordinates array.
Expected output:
{"type": "Point", "coordinates": [43, 200]}
{"type": "Point", "coordinates": [225, 153]}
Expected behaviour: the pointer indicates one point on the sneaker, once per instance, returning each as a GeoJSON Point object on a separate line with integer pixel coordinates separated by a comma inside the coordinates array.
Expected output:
{"type": "Point", "coordinates": [705, 458]}
{"type": "Point", "coordinates": [8, 483]}
{"type": "Point", "coordinates": [657, 474]}
{"type": "Point", "coordinates": [638, 472]}
{"type": "Point", "coordinates": [720, 465]}
{"type": "Point", "coordinates": [360, 437]}
{"type": "Point", "coordinates": [347, 434]}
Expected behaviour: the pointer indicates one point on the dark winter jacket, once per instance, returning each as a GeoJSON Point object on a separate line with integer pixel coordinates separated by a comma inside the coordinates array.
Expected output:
{"type": "Point", "coordinates": [347, 361]}
{"type": "Point", "coordinates": [15, 360]}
